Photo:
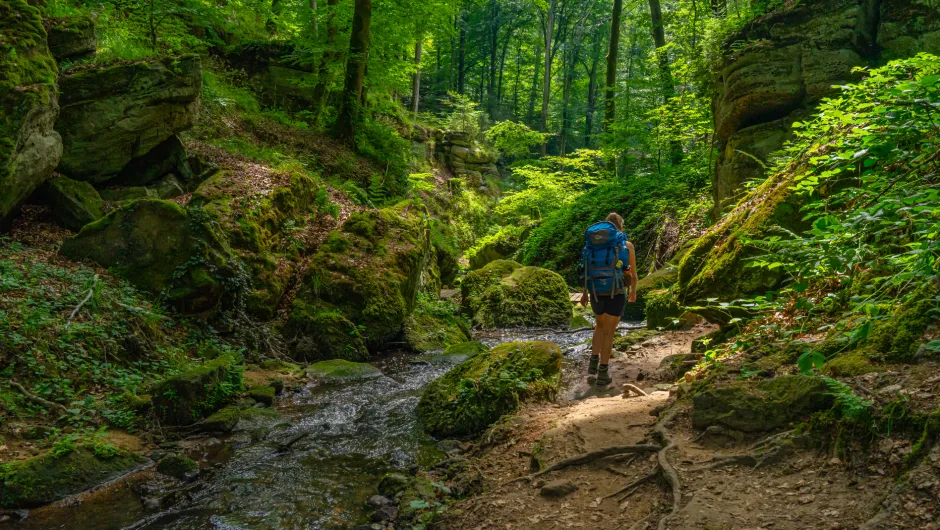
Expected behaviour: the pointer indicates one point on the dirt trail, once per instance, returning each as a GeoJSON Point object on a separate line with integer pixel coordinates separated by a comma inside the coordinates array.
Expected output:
{"type": "Point", "coordinates": [802, 491]}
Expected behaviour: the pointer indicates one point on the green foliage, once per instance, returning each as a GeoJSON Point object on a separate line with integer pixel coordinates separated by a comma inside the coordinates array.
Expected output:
{"type": "Point", "coordinates": [551, 185]}
{"type": "Point", "coordinates": [514, 139]}
{"type": "Point", "coordinates": [465, 115]}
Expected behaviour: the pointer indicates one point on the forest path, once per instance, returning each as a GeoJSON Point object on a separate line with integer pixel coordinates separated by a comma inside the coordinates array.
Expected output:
{"type": "Point", "coordinates": [804, 490]}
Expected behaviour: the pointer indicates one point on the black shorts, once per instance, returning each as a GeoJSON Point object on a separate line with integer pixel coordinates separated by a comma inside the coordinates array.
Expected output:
{"type": "Point", "coordinates": [609, 305]}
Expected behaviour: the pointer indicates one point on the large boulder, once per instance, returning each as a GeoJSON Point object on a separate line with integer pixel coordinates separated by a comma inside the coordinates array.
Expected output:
{"type": "Point", "coordinates": [112, 114]}
{"type": "Point", "coordinates": [73, 203]}
{"type": "Point", "coordinates": [71, 37]}
{"type": "Point", "coordinates": [529, 297]}
{"type": "Point", "coordinates": [793, 58]}
{"type": "Point", "coordinates": [29, 147]}
{"type": "Point", "coordinates": [434, 327]}
{"type": "Point", "coordinates": [44, 479]}
{"type": "Point", "coordinates": [275, 74]}
{"type": "Point", "coordinates": [190, 396]}
{"type": "Point", "coordinates": [477, 282]}
{"type": "Point", "coordinates": [764, 406]}
{"type": "Point", "coordinates": [167, 158]}
{"type": "Point", "coordinates": [655, 281]}
{"type": "Point", "coordinates": [474, 394]}
{"type": "Point", "coordinates": [162, 248]}
{"type": "Point", "coordinates": [368, 273]}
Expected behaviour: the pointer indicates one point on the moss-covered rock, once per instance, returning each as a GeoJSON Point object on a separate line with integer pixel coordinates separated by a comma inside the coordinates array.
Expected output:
{"type": "Point", "coordinates": [71, 37]}
{"type": "Point", "coordinates": [499, 246]}
{"type": "Point", "coordinates": [73, 203]}
{"type": "Point", "coordinates": [339, 370]}
{"type": "Point", "coordinates": [474, 394]}
{"type": "Point", "coordinates": [128, 194]}
{"type": "Point", "coordinates": [432, 328]}
{"type": "Point", "coordinates": [368, 272]}
{"type": "Point", "coordinates": [899, 338]}
{"type": "Point", "coordinates": [456, 353]}
{"type": "Point", "coordinates": [188, 397]}
{"type": "Point", "coordinates": [530, 296]}
{"type": "Point", "coordinates": [180, 467]}
{"type": "Point", "coordinates": [762, 406]}
{"type": "Point", "coordinates": [114, 113]}
{"type": "Point", "coordinates": [658, 280]}
{"type": "Point", "coordinates": [661, 309]}
{"type": "Point", "coordinates": [162, 248]}
{"type": "Point", "coordinates": [478, 281]}
{"type": "Point", "coordinates": [632, 338]}
{"type": "Point", "coordinates": [321, 335]}
{"type": "Point", "coordinates": [222, 421]}
{"type": "Point", "coordinates": [239, 418]}
{"type": "Point", "coordinates": [29, 147]}
{"type": "Point", "coordinates": [48, 478]}
{"type": "Point", "coordinates": [262, 394]}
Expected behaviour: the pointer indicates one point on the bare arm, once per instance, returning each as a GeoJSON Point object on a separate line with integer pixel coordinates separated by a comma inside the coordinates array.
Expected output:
{"type": "Point", "coordinates": [632, 272]}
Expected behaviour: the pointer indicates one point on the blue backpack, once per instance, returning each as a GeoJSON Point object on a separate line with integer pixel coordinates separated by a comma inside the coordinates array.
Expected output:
{"type": "Point", "coordinates": [600, 259]}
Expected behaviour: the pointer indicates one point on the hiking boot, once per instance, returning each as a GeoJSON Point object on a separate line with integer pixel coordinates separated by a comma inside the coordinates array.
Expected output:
{"type": "Point", "coordinates": [603, 377]}
{"type": "Point", "coordinates": [592, 366]}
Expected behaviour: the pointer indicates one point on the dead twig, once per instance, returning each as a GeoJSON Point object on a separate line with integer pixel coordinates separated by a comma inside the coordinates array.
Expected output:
{"type": "Point", "coordinates": [38, 400]}
{"type": "Point", "coordinates": [627, 388]}
{"type": "Point", "coordinates": [585, 458]}
{"type": "Point", "coordinates": [84, 301]}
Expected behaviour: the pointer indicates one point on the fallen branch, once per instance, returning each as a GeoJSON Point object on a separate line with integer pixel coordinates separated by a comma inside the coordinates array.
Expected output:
{"type": "Point", "coordinates": [585, 458]}
{"type": "Point", "coordinates": [88, 296]}
{"type": "Point", "coordinates": [38, 400]}
{"type": "Point", "coordinates": [627, 388]}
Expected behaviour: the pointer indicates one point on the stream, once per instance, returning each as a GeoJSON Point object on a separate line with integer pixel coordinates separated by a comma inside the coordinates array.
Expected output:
{"type": "Point", "coordinates": [314, 468]}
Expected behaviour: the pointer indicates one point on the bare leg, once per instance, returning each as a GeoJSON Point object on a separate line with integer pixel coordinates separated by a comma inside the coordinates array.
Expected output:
{"type": "Point", "coordinates": [597, 342]}
{"type": "Point", "coordinates": [608, 328]}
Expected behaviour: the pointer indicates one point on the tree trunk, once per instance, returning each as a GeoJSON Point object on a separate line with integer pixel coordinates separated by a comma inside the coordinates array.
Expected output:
{"type": "Point", "coordinates": [355, 70]}
{"type": "Point", "coordinates": [316, 26]}
{"type": "Point", "coordinates": [416, 90]}
{"type": "Point", "coordinates": [610, 94]}
{"type": "Point", "coordinates": [530, 115]}
{"type": "Point", "coordinates": [659, 40]}
{"type": "Point", "coordinates": [494, 48]}
{"type": "Point", "coordinates": [548, 28]}
{"type": "Point", "coordinates": [462, 57]}
{"type": "Point", "coordinates": [323, 69]}
{"type": "Point", "coordinates": [450, 63]}
{"type": "Point", "coordinates": [515, 87]}
{"type": "Point", "coordinates": [592, 94]}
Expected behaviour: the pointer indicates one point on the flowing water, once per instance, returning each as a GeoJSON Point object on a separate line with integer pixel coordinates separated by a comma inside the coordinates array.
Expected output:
{"type": "Point", "coordinates": [313, 469]}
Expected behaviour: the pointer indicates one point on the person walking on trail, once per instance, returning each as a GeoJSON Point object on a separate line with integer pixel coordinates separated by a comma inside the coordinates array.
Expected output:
{"type": "Point", "coordinates": [609, 273]}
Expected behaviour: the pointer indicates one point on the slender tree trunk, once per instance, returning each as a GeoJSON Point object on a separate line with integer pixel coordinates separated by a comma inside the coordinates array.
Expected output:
{"type": "Point", "coordinates": [535, 87]}
{"type": "Point", "coordinates": [610, 92]}
{"type": "Point", "coordinates": [592, 94]}
{"type": "Point", "coordinates": [502, 68]}
{"type": "Point", "coordinates": [548, 29]}
{"type": "Point", "coordinates": [356, 64]}
{"type": "Point", "coordinates": [515, 85]}
{"type": "Point", "coordinates": [462, 57]}
{"type": "Point", "coordinates": [416, 90]}
{"type": "Point", "coordinates": [323, 69]}
{"type": "Point", "coordinates": [316, 26]}
{"type": "Point", "coordinates": [450, 65]}
{"type": "Point", "coordinates": [494, 48]}
{"type": "Point", "coordinates": [659, 40]}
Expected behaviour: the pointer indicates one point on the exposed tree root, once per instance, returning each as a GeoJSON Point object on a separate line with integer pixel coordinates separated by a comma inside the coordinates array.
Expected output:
{"type": "Point", "coordinates": [634, 485]}
{"type": "Point", "coordinates": [585, 458]}
{"type": "Point", "coordinates": [668, 472]}
{"type": "Point", "coordinates": [627, 388]}
{"type": "Point", "coordinates": [38, 400]}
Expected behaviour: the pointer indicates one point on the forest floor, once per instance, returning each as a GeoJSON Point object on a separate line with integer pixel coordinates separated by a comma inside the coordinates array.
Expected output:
{"type": "Point", "coordinates": [803, 490]}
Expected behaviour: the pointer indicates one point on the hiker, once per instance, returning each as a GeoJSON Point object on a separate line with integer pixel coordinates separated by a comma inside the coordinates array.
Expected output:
{"type": "Point", "coordinates": [609, 269]}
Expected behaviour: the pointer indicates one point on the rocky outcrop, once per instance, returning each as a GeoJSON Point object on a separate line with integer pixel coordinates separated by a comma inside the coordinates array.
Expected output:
{"type": "Point", "coordinates": [504, 294]}
{"type": "Point", "coordinates": [162, 248]}
{"type": "Point", "coordinates": [29, 147]}
{"type": "Point", "coordinates": [113, 114]}
{"type": "Point", "coordinates": [73, 203]}
{"type": "Point", "coordinates": [465, 158]}
{"type": "Point", "coordinates": [190, 396]}
{"type": "Point", "coordinates": [763, 406]}
{"type": "Point", "coordinates": [791, 59]}
{"type": "Point", "coordinates": [364, 279]}
{"type": "Point", "coordinates": [447, 409]}
{"type": "Point", "coordinates": [275, 73]}
{"type": "Point", "coordinates": [71, 37]}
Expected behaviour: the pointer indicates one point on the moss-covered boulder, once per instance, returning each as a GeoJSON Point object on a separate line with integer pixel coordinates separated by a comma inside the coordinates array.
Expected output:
{"type": "Point", "coordinates": [530, 296]}
{"type": "Point", "coordinates": [190, 396]}
{"type": "Point", "coordinates": [901, 337]}
{"type": "Point", "coordinates": [762, 406]}
{"type": "Point", "coordinates": [162, 248]}
{"type": "Point", "coordinates": [48, 478]}
{"type": "Point", "coordinates": [662, 309]}
{"type": "Point", "coordinates": [435, 326]}
{"type": "Point", "coordinates": [317, 334]}
{"type": "Point", "coordinates": [477, 282]}
{"type": "Point", "coordinates": [368, 272]}
{"type": "Point", "coordinates": [655, 281]}
{"type": "Point", "coordinates": [262, 394]}
{"type": "Point", "coordinates": [71, 37]}
{"type": "Point", "coordinates": [339, 370]}
{"type": "Point", "coordinates": [114, 113]}
{"type": "Point", "coordinates": [501, 245]}
{"type": "Point", "coordinates": [239, 418]}
{"type": "Point", "coordinates": [456, 353]}
{"type": "Point", "coordinates": [29, 147]}
{"type": "Point", "coordinates": [180, 467]}
{"type": "Point", "coordinates": [73, 203]}
{"type": "Point", "coordinates": [474, 394]}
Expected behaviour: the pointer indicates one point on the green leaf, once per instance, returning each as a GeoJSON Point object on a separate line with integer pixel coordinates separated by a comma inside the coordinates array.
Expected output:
{"type": "Point", "coordinates": [419, 504]}
{"type": "Point", "coordinates": [930, 80]}
{"type": "Point", "coordinates": [933, 346]}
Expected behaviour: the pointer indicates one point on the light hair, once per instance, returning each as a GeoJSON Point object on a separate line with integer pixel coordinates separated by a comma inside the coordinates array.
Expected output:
{"type": "Point", "coordinates": [614, 218]}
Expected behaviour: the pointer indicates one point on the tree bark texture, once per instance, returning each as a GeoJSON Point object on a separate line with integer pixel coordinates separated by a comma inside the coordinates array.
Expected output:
{"type": "Point", "coordinates": [356, 64]}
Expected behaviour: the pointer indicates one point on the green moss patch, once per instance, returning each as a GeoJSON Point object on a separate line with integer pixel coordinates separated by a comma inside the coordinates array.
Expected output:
{"type": "Point", "coordinates": [478, 281]}
{"type": "Point", "coordinates": [474, 394]}
{"type": "Point", "coordinates": [529, 297]}
{"type": "Point", "coordinates": [188, 397]}
{"type": "Point", "coordinates": [456, 353]}
{"type": "Point", "coordinates": [339, 370]}
{"type": "Point", "coordinates": [73, 203]}
{"type": "Point", "coordinates": [44, 479]}
{"type": "Point", "coordinates": [435, 325]}
{"type": "Point", "coordinates": [262, 394]}
{"type": "Point", "coordinates": [179, 467]}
